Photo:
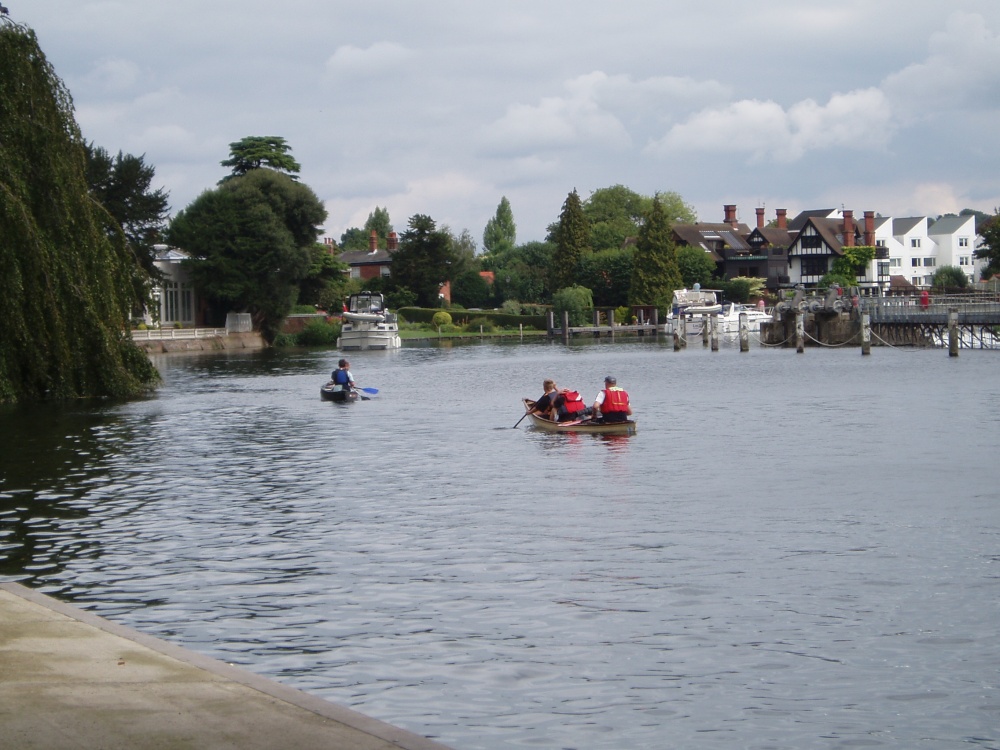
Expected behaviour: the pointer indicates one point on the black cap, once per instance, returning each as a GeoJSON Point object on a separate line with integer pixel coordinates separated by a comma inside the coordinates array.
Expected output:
{"type": "Point", "coordinates": [610, 379]}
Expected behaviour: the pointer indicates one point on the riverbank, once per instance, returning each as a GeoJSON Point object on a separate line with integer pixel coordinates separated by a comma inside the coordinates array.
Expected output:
{"type": "Point", "coordinates": [214, 343]}
{"type": "Point", "coordinates": [72, 679]}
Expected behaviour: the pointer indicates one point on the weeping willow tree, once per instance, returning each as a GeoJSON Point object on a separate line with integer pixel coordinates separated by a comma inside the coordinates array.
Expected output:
{"type": "Point", "coordinates": [66, 291]}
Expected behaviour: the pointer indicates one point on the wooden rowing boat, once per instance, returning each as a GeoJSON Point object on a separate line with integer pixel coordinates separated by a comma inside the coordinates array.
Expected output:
{"type": "Point", "coordinates": [583, 425]}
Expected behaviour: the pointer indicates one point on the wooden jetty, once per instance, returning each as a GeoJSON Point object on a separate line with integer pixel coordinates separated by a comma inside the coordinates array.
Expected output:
{"type": "Point", "coordinates": [647, 325]}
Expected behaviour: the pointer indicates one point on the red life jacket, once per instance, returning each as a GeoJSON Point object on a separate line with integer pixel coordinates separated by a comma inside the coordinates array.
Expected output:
{"type": "Point", "coordinates": [570, 405]}
{"type": "Point", "coordinates": [615, 400]}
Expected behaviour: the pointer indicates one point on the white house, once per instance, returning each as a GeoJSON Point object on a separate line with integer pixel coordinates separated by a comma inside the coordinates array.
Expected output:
{"type": "Point", "coordinates": [918, 246]}
{"type": "Point", "coordinates": [174, 298]}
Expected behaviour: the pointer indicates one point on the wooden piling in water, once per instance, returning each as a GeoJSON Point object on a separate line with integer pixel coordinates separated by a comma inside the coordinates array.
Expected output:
{"type": "Point", "coordinates": [866, 334]}
{"type": "Point", "coordinates": [800, 332]}
{"type": "Point", "coordinates": [744, 333]}
{"type": "Point", "coordinates": [953, 332]}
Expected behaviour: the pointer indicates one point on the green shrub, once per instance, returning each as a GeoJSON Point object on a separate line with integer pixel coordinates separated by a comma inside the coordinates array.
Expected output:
{"type": "Point", "coordinates": [511, 307]}
{"type": "Point", "coordinates": [622, 314]}
{"type": "Point", "coordinates": [480, 323]}
{"type": "Point", "coordinates": [441, 318]}
{"type": "Point", "coordinates": [577, 301]}
{"type": "Point", "coordinates": [319, 333]}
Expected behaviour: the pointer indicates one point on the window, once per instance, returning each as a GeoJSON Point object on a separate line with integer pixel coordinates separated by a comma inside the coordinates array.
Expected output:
{"type": "Point", "coordinates": [915, 242]}
{"type": "Point", "coordinates": [963, 241]}
{"type": "Point", "coordinates": [929, 262]}
{"type": "Point", "coordinates": [895, 262]}
{"type": "Point", "coordinates": [384, 270]}
{"type": "Point", "coordinates": [963, 260]}
{"type": "Point", "coordinates": [915, 262]}
{"type": "Point", "coordinates": [355, 272]}
{"type": "Point", "coordinates": [814, 266]}
{"type": "Point", "coordinates": [915, 280]}
{"type": "Point", "coordinates": [811, 241]}
{"type": "Point", "coordinates": [879, 243]}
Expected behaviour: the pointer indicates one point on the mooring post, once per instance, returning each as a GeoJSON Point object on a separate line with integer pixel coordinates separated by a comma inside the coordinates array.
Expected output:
{"type": "Point", "coordinates": [953, 332]}
{"type": "Point", "coordinates": [800, 332]}
{"type": "Point", "coordinates": [744, 333]}
{"type": "Point", "coordinates": [551, 321]}
{"type": "Point", "coordinates": [714, 320]}
{"type": "Point", "coordinates": [866, 334]}
{"type": "Point", "coordinates": [706, 321]}
{"type": "Point", "coordinates": [565, 326]}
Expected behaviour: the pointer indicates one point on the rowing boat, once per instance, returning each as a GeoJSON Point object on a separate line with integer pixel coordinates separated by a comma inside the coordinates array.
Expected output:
{"type": "Point", "coordinates": [581, 425]}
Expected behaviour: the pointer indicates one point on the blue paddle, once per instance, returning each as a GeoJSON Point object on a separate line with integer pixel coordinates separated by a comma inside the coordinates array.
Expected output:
{"type": "Point", "coordinates": [372, 391]}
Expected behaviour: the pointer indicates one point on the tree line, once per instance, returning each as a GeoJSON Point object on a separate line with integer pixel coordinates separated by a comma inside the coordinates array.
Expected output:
{"type": "Point", "coordinates": [79, 229]}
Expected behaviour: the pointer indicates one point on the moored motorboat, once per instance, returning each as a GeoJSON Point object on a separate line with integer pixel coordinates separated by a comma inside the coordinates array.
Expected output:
{"type": "Point", "coordinates": [729, 318]}
{"type": "Point", "coordinates": [582, 425]}
{"type": "Point", "coordinates": [368, 324]}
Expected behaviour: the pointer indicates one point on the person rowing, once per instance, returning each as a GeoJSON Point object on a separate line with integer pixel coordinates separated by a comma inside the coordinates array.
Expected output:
{"type": "Point", "coordinates": [543, 406]}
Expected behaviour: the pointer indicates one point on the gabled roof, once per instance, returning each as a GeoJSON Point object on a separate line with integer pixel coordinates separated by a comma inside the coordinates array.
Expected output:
{"type": "Point", "coordinates": [799, 221]}
{"type": "Point", "coordinates": [707, 234]}
{"type": "Point", "coordinates": [952, 224]}
{"type": "Point", "coordinates": [831, 231]}
{"type": "Point", "coordinates": [907, 225]}
{"type": "Point", "coordinates": [366, 257]}
{"type": "Point", "coordinates": [775, 237]}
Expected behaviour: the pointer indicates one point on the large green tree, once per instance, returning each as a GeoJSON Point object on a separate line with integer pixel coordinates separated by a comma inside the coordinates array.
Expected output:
{"type": "Point", "coordinates": [696, 266]}
{"type": "Point", "coordinates": [251, 241]}
{"type": "Point", "coordinates": [989, 249]}
{"type": "Point", "coordinates": [608, 274]}
{"type": "Point", "coordinates": [256, 151]}
{"type": "Point", "coordinates": [66, 272]}
{"type": "Point", "coordinates": [655, 273]}
{"type": "Point", "coordinates": [572, 239]}
{"type": "Point", "coordinates": [423, 261]}
{"type": "Point", "coordinates": [123, 185]}
{"type": "Point", "coordinates": [501, 231]}
{"type": "Point", "coordinates": [521, 273]}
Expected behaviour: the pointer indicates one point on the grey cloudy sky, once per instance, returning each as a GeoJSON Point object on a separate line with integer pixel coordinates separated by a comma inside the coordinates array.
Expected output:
{"type": "Point", "coordinates": [441, 107]}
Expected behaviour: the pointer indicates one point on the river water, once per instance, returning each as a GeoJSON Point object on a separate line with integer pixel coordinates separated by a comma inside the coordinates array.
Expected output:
{"type": "Point", "coordinates": [795, 551]}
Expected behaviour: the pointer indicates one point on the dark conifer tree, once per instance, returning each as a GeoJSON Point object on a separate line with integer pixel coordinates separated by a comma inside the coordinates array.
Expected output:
{"type": "Point", "coordinates": [572, 242]}
{"type": "Point", "coordinates": [655, 274]}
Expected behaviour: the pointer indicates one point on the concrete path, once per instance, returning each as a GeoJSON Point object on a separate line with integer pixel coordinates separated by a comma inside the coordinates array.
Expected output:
{"type": "Point", "coordinates": [70, 679]}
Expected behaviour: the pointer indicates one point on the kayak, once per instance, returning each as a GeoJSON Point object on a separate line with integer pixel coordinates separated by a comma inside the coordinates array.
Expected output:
{"type": "Point", "coordinates": [328, 393]}
{"type": "Point", "coordinates": [581, 425]}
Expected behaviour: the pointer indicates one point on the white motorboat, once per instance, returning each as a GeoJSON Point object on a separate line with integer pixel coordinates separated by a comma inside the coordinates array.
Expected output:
{"type": "Point", "coordinates": [368, 324]}
{"type": "Point", "coordinates": [729, 318]}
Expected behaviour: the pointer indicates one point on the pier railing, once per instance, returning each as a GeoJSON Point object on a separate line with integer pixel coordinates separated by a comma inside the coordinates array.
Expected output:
{"type": "Point", "coordinates": [157, 334]}
{"type": "Point", "coordinates": [973, 309]}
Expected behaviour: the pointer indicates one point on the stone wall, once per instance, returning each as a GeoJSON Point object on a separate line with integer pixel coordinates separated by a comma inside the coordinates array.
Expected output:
{"type": "Point", "coordinates": [233, 341]}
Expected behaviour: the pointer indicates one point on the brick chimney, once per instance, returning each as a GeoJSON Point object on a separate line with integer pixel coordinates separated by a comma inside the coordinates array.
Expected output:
{"type": "Point", "coordinates": [870, 228]}
{"type": "Point", "coordinates": [393, 242]}
{"type": "Point", "coordinates": [782, 214]}
{"type": "Point", "coordinates": [730, 209]}
{"type": "Point", "coordinates": [848, 228]}
{"type": "Point", "coordinates": [373, 242]}
{"type": "Point", "coordinates": [760, 218]}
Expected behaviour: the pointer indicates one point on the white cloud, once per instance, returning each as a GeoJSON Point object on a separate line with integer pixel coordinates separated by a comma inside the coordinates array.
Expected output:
{"type": "Point", "coordinates": [380, 57]}
{"type": "Point", "coordinates": [114, 75]}
{"type": "Point", "coordinates": [962, 70]}
{"type": "Point", "coordinates": [594, 112]}
{"type": "Point", "coordinates": [764, 130]}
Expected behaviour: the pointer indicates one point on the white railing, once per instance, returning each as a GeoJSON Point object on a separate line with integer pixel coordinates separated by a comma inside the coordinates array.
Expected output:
{"type": "Point", "coordinates": [155, 334]}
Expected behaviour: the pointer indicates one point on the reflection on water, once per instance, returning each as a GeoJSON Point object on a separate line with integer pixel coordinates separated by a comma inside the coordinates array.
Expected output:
{"type": "Point", "coordinates": [795, 551]}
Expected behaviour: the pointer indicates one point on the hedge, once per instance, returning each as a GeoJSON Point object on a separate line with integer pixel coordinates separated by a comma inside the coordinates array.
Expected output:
{"type": "Point", "coordinates": [462, 317]}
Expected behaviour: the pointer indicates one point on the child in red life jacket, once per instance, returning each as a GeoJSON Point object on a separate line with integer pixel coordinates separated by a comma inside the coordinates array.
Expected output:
{"type": "Point", "coordinates": [569, 406]}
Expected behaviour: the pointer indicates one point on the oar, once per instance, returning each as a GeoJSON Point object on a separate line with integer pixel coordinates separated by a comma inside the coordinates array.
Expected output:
{"type": "Point", "coordinates": [372, 391]}
{"type": "Point", "coordinates": [525, 414]}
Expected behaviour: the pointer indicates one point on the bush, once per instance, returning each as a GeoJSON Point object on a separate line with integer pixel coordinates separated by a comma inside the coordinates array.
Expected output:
{"type": "Point", "coordinates": [481, 323]}
{"type": "Point", "coordinates": [577, 301]}
{"type": "Point", "coordinates": [511, 307]}
{"type": "Point", "coordinates": [622, 314]}
{"type": "Point", "coordinates": [441, 318]}
{"type": "Point", "coordinates": [319, 333]}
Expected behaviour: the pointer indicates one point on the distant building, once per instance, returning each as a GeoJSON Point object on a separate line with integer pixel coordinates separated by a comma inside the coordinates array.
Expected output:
{"type": "Point", "coordinates": [175, 301]}
{"type": "Point", "coordinates": [371, 263]}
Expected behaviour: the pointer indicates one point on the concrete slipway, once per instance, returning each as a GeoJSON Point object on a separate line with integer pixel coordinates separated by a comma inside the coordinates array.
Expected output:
{"type": "Point", "coordinates": [70, 679]}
